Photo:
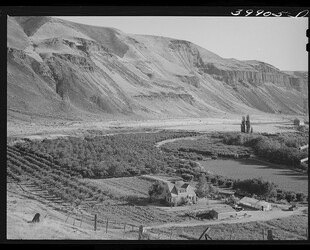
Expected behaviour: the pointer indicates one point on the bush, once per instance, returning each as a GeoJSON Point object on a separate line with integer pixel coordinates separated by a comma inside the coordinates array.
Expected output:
{"type": "Point", "coordinates": [300, 196]}
{"type": "Point", "coordinates": [229, 184]}
{"type": "Point", "coordinates": [221, 181]}
{"type": "Point", "coordinates": [214, 181]}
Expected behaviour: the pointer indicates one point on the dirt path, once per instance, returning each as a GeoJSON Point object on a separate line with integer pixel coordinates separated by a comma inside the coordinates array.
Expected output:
{"type": "Point", "coordinates": [159, 144]}
{"type": "Point", "coordinates": [255, 216]}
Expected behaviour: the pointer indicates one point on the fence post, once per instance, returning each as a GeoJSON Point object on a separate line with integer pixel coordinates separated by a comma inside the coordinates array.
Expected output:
{"type": "Point", "coordinates": [170, 233]}
{"type": "Point", "coordinates": [263, 233]}
{"type": "Point", "coordinates": [106, 229]}
{"type": "Point", "coordinates": [140, 232]}
{"type": "Point", "coordinates": [269, 235]}
{"type": "Point", "coordinates": [124, 227]}
{"type": "Point", "coordinates": [95, 222]}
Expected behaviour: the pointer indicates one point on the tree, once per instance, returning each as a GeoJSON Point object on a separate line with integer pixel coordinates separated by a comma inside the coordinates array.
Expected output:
{"type": "Point", "coordinates": [280, 196]}
{"type": "Point", "coordinates": [221, 181]}
{"type": "Point", "coordinates": [187, 177]}
{"type": "Point", "coordinates": [202, 186]}
{"type": "Point", "coordinates": [290, 196]}
{"type": "Point", "coordinates": [155, 190]}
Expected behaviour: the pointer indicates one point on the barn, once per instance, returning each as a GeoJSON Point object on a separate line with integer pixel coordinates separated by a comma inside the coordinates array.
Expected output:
{"type": "Point", "coordinates": [223, 212]}
{"type": "Point", "coordinates": [255, 204]}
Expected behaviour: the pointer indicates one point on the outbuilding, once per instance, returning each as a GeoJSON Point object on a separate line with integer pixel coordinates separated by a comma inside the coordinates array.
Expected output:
{"type": "Point", "coordinates": [298, 122]}
{"type": "Point", "coordinates": [255, 204]}
{"type": "Point", "coordinates": [223, 212]}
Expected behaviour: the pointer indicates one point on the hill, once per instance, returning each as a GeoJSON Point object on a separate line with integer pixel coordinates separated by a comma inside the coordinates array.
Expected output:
{"type": "Point", "coordinates": [60, 69]}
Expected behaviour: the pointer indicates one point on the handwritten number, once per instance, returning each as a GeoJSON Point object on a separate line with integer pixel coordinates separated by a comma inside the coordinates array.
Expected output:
{"type": "Point", "coordinates": [259, 12]}
{"type": "Point", "coordinates": [237, 12]}
{"type": "Point", "coordinates": [268, 13]}
{"type": "Point", "coordinates": [249, 12]}
{"type": "Point", "coordinates": [279, 14]}
{"type": "Point", "coordinates": [307, 11]}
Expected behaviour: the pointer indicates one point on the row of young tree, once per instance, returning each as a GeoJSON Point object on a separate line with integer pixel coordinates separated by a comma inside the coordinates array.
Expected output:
{"type": "Point", "coordinates": [51, 178]}
{"type": "Point", "coordinates": [107, 156]}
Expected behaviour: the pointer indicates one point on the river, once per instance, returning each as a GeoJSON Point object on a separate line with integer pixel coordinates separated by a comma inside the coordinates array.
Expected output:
{"type": "Point", "coordinates": [251, 168]}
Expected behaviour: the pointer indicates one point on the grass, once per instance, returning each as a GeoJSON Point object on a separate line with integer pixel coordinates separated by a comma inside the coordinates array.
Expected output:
{"type": "Point", "coordinates": [288, 228]}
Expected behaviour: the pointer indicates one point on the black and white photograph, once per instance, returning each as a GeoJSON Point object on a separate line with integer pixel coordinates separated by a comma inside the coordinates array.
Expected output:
{"type": "Point", "coordinates": [159, 128]}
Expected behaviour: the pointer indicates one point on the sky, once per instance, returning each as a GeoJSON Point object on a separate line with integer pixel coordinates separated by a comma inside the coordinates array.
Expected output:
{"type": "Point", "coordinates": [279, 41]}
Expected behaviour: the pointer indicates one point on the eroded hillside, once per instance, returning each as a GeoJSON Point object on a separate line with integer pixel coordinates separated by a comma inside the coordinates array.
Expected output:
{"type": "Point", "coordinates": [59, 68]}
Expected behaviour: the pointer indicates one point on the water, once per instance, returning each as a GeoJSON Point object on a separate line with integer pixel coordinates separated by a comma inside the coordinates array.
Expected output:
{"type": "Point", "coordinates": [251, 168]}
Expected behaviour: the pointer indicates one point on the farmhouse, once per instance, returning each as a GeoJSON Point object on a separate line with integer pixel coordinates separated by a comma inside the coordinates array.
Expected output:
{"type": "Point", "coordinates": [223, 212]}
{"type": "Point", "coordinates": [177, 191]}
{"type": "Point", "coordinates": [298, 122]}
{"type": "Point", "coordinates": [256, 204]}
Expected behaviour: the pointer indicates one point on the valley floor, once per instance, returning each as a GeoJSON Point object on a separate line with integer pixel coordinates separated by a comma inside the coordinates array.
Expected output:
{"type": "Point", "coordinates": [37, 129]}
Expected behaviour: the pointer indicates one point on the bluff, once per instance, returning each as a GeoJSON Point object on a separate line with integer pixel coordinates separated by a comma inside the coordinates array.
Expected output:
{"type": "Point", "coordinates": [57, 68]}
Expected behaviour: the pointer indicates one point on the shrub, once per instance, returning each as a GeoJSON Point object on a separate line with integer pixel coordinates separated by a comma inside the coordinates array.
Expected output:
{"type": "Point", "coordinates": [300, 196]}
{"type": "Point", "coordinates": [229, 184]}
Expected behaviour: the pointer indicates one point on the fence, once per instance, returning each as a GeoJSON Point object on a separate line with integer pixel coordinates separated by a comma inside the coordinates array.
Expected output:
{"type": "Point", "coordinates": [97, 223]}
{"type": "Point", "coordinates": [107, 225]}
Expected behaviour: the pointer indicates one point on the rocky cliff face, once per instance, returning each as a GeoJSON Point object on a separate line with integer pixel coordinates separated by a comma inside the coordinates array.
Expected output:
{"type": "Point", "coordinates": [59, 68]}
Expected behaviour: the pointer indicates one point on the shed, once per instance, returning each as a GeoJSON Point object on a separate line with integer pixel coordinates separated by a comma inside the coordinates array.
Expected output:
{"type": "Point", "coordinates": [256, 204]}
{"type": "Point", "coordinates": [298, 122]}
{"type": "Point", "coordinates": [263, 205]}
{"type": "Point", "coordinates": [223, 212]}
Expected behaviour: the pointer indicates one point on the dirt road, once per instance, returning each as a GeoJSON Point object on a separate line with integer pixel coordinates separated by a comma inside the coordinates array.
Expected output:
{"type": "Point", "coordinates": [251, 216]}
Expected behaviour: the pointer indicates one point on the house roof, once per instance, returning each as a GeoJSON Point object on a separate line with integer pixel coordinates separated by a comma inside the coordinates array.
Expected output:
{"type": "Point", "coordinates": [253, 202]}
{"type": "Point", "coordinates": [185, 185]}
{"type": "Point", "coordinates": [248, 200]}
{"type": "Point", "coordinates": [226, 209]}
{"type": "Point", "coordinates": [174, 188]}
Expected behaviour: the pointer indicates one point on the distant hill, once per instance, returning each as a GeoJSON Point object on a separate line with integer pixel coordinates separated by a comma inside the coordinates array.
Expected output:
{"type": "Point", "coordinates": [62, 69]}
